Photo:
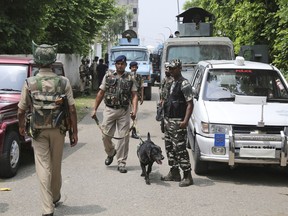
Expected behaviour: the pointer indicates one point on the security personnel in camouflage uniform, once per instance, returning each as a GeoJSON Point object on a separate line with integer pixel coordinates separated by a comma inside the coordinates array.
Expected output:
{"type": "Point", "coordinates": [118, 89]}
{"type": "Point", "coordinates": [133, 66]}
{"type": "Point", "coordinates": [177, 111]}
{"type": "Point", "coordinates": [39, 94]}
{"type": "Point", "coordinates": [165, 85]}
{"type": "Point", "coordinates": [164, 90]}
{"type": "Point", "coordinates": [82, 75]}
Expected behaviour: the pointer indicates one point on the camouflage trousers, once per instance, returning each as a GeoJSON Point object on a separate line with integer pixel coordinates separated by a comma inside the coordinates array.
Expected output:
{"type": "Point", "coordinates": [175, 144]}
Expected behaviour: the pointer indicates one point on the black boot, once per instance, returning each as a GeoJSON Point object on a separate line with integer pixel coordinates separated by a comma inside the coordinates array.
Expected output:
{"type": "Point", "coordinates": [134, 133]}
{"type": "Point", "coordinates": [187, 179]}
{"type": "Point", "coordinates": [173, 175]}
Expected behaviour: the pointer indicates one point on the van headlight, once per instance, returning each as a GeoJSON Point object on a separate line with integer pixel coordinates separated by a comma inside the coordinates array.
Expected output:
{"type": "Point", "coordinates": [215, 128]}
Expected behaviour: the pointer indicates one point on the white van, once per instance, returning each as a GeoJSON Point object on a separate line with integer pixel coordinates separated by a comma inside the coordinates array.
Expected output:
{"type": "Point", "coordinates": [240, 114]}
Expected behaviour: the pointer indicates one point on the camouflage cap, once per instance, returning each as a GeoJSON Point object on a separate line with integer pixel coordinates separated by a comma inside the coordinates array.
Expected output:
{"type": "Point", "coordinates": [175, 63]}
{"type": "Point", "coordinates": [44, 54]}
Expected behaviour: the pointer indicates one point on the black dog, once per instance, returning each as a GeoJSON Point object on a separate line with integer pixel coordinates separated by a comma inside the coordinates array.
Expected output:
{"type": "Point", "coordinates": [148, 153]}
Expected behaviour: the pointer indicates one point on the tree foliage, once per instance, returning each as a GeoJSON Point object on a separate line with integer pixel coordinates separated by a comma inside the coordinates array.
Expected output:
{"type": "Point", "coordinates": [73, 24]}
{"type": "Point", "coordinates": [251, 22]}
{"type": "Point", "coordinates": [116, 24]}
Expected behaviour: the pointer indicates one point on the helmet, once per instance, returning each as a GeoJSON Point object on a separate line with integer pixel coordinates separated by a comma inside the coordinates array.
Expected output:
{"type": "Point", "coordinates": [175, 63]}
{"type": "Point", "coordinates": [44, 54]}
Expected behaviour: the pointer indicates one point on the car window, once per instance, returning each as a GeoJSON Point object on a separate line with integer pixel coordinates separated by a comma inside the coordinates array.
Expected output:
{"type": "Point", "coordinates": [197, 80]}
{"type": "Point", "coordinates": [223, 84]}
{"type": "Point", "coordinates": [12, 77]}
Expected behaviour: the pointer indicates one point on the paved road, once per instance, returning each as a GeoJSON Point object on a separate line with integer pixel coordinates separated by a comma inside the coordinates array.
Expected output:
{"type": "Point", "coordinates": [91, 188]}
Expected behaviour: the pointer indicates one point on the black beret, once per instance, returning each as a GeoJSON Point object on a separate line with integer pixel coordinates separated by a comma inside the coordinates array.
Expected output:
{"type": "Point", "coordinates": [121, 58]}
{"type": "Point", "coordinates": [133, 63]}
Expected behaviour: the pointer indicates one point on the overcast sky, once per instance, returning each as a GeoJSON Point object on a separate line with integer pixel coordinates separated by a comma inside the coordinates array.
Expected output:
{"type": "Point", "coordinates": [154, 18]}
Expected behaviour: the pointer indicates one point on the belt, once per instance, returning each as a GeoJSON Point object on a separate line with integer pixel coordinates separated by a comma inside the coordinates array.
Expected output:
{"type": "Point", "coordinates": [115, 106]}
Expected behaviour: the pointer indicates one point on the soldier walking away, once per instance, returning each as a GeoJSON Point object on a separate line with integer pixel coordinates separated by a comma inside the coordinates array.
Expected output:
{"type": "Point", "coordinates": [94, 74]}
{"type": "Point", "coordinates": [88, 77]}
{"type": "Point", "coordinates": [101, 70]}
{"type": "Point", "coordinates": [177, 111]}
{"type": "Point", "coordinates": [50, 99]}
{"type": "Point", "coordinates": [118, 90]}
{"type": "Point", "coordinates": [133, 66]}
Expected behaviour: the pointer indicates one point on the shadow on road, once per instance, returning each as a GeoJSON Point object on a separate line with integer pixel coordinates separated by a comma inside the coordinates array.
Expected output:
{"type": "Point", "coordinates": [256, 175]}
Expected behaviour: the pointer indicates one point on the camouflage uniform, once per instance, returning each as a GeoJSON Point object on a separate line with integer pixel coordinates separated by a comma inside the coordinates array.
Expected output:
{"type": "Point", "coordinates": [82, 74]}
{"type": "Point", "coordinates": [48, 146]}
{"type": "Point", "coordinates": [139, 84]}
{"type": "Point", "coordinates": [175, 138]}
{"type": "Point", "coordinates": [38, 95]}
{"type": "Point", "coordinates": [164, 87]}
{"type": "Point", "coordinates": [164, 92]}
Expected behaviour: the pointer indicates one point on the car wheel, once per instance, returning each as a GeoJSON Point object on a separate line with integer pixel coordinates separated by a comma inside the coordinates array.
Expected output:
{"type": "Point", "coordinates": [10, 158]}
{"type": "Point", "coordinates": [200, 167]}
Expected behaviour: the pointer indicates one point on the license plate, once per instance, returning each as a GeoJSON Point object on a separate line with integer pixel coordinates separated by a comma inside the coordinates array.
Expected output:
{"type": "Point", "coordinates": [257, 153]}
{"type": "Point", "coordinates": [219, 140]}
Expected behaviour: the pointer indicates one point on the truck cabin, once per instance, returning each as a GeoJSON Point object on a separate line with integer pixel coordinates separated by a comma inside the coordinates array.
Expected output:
{"type": "Point", "coordinates": [195, 22]}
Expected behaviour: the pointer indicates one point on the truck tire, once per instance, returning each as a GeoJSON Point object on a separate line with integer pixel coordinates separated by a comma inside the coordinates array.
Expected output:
{"type": "Point", "coordinates": [10, 158]}
{"type": "Point", "coordinates": [148, 93]}
{"type": "Point", "coordinates": [200, 167]}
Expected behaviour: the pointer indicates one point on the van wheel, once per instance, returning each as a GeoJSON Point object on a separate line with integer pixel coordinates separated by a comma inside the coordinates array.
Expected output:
{"type": "Point", "coordinates": [10, 158]}
{"type": "Point", "coordinates": [200, 167]}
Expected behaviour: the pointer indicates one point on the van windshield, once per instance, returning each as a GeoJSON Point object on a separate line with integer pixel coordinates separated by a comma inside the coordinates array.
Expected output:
{"type": "Point", "coordinates": [131, 55]}
{"type": "Point", "coordinates": [194, 53]}
{"type": "Point", "coordinates": [224, 84]}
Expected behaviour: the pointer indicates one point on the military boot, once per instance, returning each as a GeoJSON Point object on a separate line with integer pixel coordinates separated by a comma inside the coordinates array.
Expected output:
{"type": "Point", "coordinates": [173, 175]}
{"type": "Point", "coordinates": [187, 179]}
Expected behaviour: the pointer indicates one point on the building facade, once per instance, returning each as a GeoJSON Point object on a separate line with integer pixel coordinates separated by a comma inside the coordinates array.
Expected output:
{"type": "Point", "coordinates": [133, 4]}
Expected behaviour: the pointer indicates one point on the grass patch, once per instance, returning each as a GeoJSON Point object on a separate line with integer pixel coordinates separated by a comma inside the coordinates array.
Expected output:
{"type": "Point", "coordinates": [83, 105]}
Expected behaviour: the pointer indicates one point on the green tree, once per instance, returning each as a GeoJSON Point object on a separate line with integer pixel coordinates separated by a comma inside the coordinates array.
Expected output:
{"type": "Point", "coordinates": [20, 23]}
{"type": "Point", "coordinates": [251, 22]}
{"type": "Point", "coordinates": [116, 24]}
{"type": "Point", "coordinates": [72, 24]}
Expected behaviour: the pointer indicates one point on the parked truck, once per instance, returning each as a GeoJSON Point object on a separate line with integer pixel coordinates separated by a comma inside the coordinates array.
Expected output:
{"type": "Point", "coordinates": [194, 42]}
{"type": "Point", "coordinates": [129, 45]}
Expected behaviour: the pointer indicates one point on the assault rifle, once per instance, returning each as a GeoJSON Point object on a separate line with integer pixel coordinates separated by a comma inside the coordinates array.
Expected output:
{"type": "Point", "coordinates": [63, 101]}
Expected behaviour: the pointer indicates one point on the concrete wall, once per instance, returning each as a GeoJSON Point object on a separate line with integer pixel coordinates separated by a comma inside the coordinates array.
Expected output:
{"type": "Point", "coordinates": [71, 67]}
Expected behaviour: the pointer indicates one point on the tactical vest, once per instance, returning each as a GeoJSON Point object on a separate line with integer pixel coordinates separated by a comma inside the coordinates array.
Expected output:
{"type": "Point", "coordinates": [175, 106]}
{"type": "Point", "coordinates": [44, 109]}
{"type": "Point", "coordinates": [118, 90]}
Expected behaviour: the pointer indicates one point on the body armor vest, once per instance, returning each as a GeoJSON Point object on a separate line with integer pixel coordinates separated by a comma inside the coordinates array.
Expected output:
{"type": "Point", "coordinates": [175, 106]}
{"type": "Point", "coordinates": [43, 92]}
{"type": "Point", "coordinates": [118, 90]}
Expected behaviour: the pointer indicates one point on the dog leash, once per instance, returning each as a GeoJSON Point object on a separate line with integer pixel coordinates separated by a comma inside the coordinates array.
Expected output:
{"type": "Point", "coordinates": [113, 137]}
